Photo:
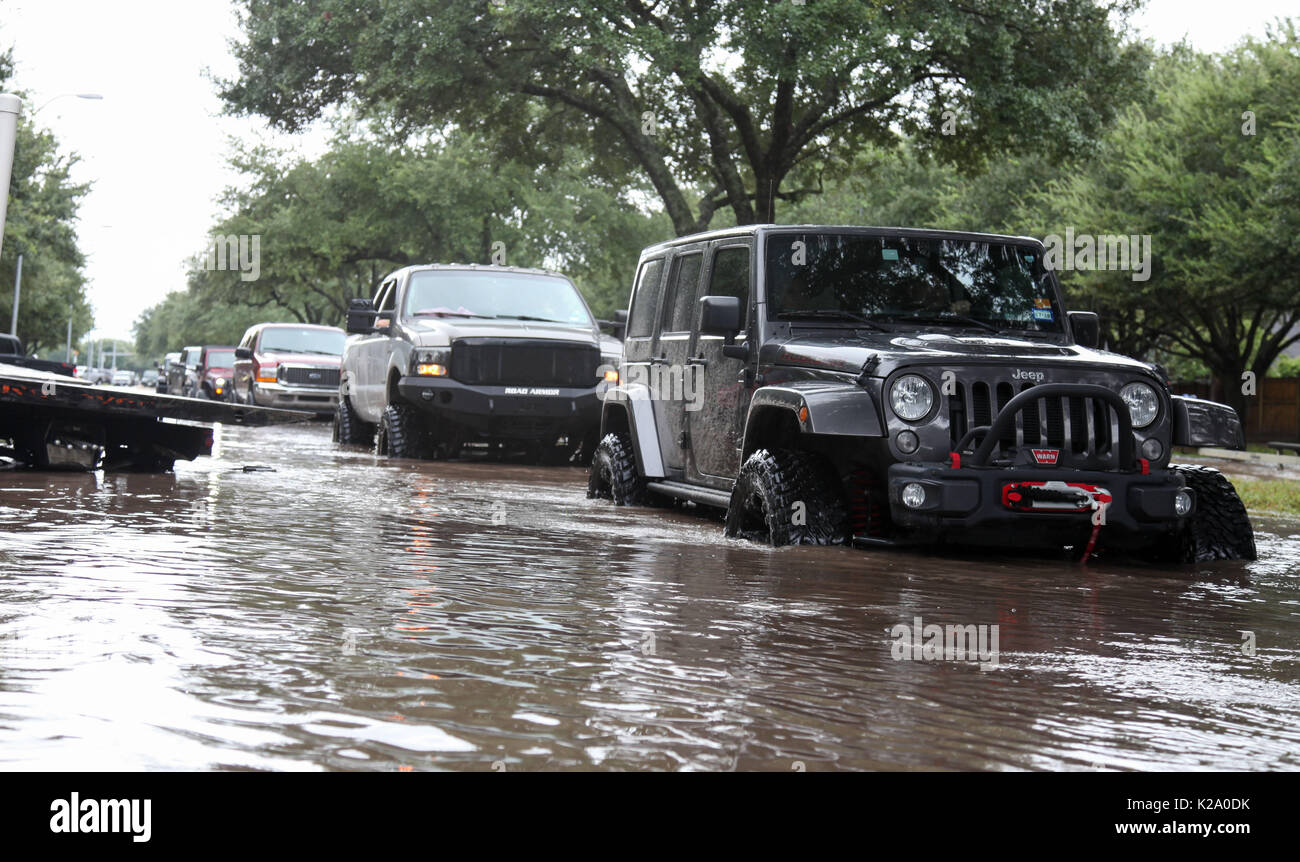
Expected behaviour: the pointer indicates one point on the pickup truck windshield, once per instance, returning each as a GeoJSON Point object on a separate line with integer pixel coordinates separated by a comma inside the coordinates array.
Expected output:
{"type": "Point", "coordinates": [507, 295]}
{"type": "Point", "coordinates": [908, 280]}
{"type": "Point", "coordinates": [287, 340]}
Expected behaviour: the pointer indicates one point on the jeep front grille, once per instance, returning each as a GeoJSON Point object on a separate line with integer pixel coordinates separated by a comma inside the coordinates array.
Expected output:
{"type": "Point", "coordinates": [522, 362]}
{"type": "Point", "coordinates": [1083, 426]}
{"type": "Point", "coordinates": [307, 375]}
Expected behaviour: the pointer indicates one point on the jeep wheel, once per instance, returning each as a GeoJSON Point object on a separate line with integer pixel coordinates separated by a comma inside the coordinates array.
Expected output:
{"type": "Point", "coordinates": [787, 498]}
{"type": "Point", "coordinates": [348, 428]}
{"type": "Point", "coordinates": [1219, 529]}
{"type": "Point", "coordinates": [613, 474]}
{"type": "Point", "coordinates": [401, 432]}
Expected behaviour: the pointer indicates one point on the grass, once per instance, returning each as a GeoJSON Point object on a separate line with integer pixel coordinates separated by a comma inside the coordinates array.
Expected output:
{"type": "Point", "coordinates": [1281, 496]}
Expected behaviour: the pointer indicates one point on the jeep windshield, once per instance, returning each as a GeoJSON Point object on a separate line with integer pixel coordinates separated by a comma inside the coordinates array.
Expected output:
{"type": "Point", "coordinates": [504, 295]}
{"type": "Point", "coordinates": [910, 282]}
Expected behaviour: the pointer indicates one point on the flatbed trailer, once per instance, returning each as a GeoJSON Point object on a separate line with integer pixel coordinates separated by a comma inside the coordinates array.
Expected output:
{"type": "Point", "coordinates": [50, 422]}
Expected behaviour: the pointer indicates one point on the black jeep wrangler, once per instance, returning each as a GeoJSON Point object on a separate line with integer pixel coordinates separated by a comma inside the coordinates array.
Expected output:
{"type": "Point", "coordinates": [446, 355]}
{"type": "Point", "coordinates": [889, 386]}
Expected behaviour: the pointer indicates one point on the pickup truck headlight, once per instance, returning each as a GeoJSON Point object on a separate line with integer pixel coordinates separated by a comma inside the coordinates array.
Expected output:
{"type": "Point", "coordinates": [430, 363]}
{"type": "Point", "coordinates": [1143, 403]}
{"type": "Point", "coordinates": [911, 397]}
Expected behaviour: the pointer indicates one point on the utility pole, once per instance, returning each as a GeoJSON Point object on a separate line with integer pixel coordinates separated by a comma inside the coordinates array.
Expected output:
{"type": "Point", "coordinates": [69, 357]}
{"type": "Point", "coordinates": [18, 290]}
{"type": "Point", "coordinates": [10, 107]}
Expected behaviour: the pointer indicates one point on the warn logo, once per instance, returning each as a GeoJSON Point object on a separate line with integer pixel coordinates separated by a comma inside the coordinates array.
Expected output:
{"type": "Point", "coordinates": [1046, 456]}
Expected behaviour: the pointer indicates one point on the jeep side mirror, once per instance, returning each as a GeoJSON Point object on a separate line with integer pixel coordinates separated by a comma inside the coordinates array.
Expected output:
{"type": "Point", "coordinates": [1086, 327]}
{"type": "Point", "coordinates": [720, 315]}
{"type": "Point", "coordinates": [361, 317]}
{"type": "Point", "coordinates": [243, 353]}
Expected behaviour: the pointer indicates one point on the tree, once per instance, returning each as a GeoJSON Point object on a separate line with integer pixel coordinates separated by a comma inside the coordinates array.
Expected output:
{"type": "Point", "coordinates": [716, 103]}
{"type": "Point", "coordinates": [41, 226]}
{"type": "Point", "coordinates": [1210, 169]}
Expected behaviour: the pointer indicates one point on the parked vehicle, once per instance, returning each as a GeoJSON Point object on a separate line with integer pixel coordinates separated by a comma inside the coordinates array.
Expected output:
{"type": "Point", "coordinates": [214, 373]}
{"type": "Point", "coordinates": [289, 365]}
{"type": "Point", "coordinates": [12, 353]}
{"type": "Point", "coordinates": [446, 355]}
{"type": "Point", "coordinates": [123, 378]}
{"type": "Point", "coordinates": [902, 386]}
{"type": "Point", "coordinates": [163, 386]}
{"type": "Point", "coordinates": [149, 377]}
{"type": "Point", "coordinates": [182, 375]}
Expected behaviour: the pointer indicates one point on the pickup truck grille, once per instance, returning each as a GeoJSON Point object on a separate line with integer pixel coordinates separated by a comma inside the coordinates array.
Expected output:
{"type": "Point", "coordinates": [1083, 426]}
{"type": "Point", "coordinates": [299, 375]}
{"type": "Point", "coordinates": [523, 362]}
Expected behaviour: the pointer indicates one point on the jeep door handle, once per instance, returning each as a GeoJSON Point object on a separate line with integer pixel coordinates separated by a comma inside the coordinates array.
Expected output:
{"type": "Point", "coordinates": [697, 360]}
{"type": "Point", "coordinates": [658, 360]}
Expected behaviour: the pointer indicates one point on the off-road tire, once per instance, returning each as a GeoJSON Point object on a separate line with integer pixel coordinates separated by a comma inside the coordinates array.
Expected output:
{"type": "Point", "coordinates": [771, 484]}
{"type": "Point", "coordinates": [402, 432]}
{"type": "Point", "coordinates": [1219, 529]}
{"type": "Point", "coordinates": [348, 427]}
{"type": "Point", "coordinates": [613, 474]}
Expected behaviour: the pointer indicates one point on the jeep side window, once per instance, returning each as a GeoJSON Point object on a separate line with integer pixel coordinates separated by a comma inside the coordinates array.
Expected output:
{"type": "Point", "coordinates": [730, 277]}
{"type": "Point", "coordinates": [646, 299]}
{"type": "Point", "coordinates": [384, 301]}
{"type": "Point", "coordinates": [680, 307]}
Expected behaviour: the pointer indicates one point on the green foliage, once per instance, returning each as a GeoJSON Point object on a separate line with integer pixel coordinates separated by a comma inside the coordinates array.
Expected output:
{"type": "Point", "coordinates": [1219, 203]}
{"type": "Point", "coordinates": [40, 225]}
{"type": "Point", "coordinates": [728, 104]}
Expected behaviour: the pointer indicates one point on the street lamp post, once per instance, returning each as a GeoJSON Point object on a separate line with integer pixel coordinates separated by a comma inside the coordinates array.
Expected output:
{"type": "Point", "coordinates": [10, 107]}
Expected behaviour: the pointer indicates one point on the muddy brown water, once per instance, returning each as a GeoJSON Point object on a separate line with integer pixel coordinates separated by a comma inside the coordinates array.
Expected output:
{"type": "Point", "coordinates": [344, 612]}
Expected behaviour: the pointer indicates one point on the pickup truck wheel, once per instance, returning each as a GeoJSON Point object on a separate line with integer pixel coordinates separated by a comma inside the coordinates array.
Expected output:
{"type": "Point", "coordinates": [348, 428]}
{"type": "Point", "coordinates": [402, 433]}
{"type": "Point", "coordinates": [613, 474]}
{"type": "Point", "coordinates": [1219, 529]}
{"type": "Point", "coordinates": [787, 498]}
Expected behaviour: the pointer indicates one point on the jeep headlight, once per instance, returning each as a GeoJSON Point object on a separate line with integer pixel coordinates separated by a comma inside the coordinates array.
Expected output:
{"type": "Point", "coordinates": [1143, 403]}
{"type": "Point", "coordinates": [911, 397]}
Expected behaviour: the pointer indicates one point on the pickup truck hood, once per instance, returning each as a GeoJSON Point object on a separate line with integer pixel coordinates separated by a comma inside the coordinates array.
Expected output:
{"type": "Point", "coordinates": [850, 350]}
{"type": "Point", "coordinates": [319, 359]}
{"type": "Point", "coordinates": [438, 332]}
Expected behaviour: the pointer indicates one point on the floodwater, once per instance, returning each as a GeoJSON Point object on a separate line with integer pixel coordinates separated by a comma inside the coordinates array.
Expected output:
{"type": "Point", "coordinates": [343, 612]}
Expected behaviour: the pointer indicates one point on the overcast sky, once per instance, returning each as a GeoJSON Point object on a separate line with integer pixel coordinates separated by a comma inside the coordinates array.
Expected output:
{"type": "Point", "coordinates": [155, 148]}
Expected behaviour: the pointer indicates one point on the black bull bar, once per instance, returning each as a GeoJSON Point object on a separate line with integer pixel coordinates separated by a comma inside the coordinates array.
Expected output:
{"type": "Point", "coordinates": [1005, 422]}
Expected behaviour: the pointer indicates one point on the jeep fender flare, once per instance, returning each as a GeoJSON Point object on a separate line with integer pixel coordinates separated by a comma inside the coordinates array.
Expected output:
{"type": "Point", "coordinates": [629, 405]}
{"type": "Point", "coordinates": [816, 407]}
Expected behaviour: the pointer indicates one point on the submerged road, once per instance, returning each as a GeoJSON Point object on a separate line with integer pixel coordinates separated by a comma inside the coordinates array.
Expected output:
{"type": "Point", "coordinates": [346, 612]}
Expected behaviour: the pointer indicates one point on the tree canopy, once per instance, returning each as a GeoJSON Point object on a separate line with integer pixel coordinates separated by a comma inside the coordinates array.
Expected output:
{"type": "Point", "coordinates": [715, 103]}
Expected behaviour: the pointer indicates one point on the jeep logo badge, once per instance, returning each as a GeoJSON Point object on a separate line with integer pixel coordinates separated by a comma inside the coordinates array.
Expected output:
{"type": "Point", "coordinates": [1020, 374]}
{"type": "Point", "coordinates": [1046, 456]}
{"type": "Point", "coordinates": [313, 375]}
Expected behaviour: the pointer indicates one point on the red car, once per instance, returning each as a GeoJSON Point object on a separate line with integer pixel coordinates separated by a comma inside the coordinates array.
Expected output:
{"type": "Point", "coordinates": [290, 365]}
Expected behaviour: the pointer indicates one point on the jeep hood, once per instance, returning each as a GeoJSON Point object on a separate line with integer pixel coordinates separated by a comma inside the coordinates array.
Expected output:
{"type": "Point", "coordinates": [850, 351]}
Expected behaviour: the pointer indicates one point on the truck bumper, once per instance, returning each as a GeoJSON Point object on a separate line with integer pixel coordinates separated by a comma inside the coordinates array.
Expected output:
{"type": "Point", "coordinates": [319, 399]}
{"type": "Point", "coordinates": [505, 412]}
{"type": "Point", "coordinates": [1019, 506]}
